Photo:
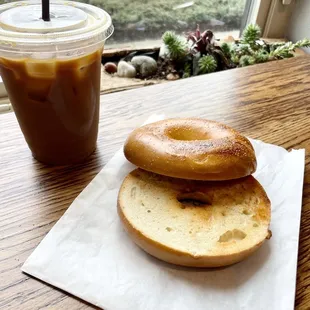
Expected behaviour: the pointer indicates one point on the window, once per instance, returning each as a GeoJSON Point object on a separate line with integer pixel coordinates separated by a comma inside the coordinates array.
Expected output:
{"type": "Point", "coordinates": [142, 22]}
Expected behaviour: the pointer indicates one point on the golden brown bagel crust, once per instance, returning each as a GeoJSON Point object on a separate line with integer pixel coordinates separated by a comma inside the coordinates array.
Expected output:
{"type": "Point", "coordinates": [191, 148]}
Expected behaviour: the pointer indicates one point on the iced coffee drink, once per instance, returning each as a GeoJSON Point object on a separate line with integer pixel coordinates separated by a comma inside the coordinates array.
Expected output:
{"type": "Point", "coordinates": [52, 77]}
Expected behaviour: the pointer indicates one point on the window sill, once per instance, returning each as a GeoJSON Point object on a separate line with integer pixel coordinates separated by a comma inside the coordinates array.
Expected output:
{"type": "Point", "coordinates": [112, 83]}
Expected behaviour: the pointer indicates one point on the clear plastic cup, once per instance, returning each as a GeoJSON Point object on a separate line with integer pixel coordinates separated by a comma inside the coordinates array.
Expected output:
{"type": "Point", "coordinates": [51, 71]}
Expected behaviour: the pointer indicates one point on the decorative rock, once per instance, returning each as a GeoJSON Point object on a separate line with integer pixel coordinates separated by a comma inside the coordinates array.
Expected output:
{"type": "Point", "coordinates": [110, 67]}
{"type": "Point", "coordinates": [145, 65]}
{"type": "Point", "coordinates": [229, 39]}
{"type": "Point", "coordinates": [172, 76]}
{"type": "Point", "coordinates": [124, 69]}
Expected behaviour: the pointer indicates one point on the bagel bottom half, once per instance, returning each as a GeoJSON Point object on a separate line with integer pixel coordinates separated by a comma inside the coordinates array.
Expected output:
{"type": "Point", "coordinates": [194, 223]}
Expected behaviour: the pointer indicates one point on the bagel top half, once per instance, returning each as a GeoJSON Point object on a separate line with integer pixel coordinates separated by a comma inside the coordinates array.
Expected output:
{"type": "Point", "coordinates": [191, 148]}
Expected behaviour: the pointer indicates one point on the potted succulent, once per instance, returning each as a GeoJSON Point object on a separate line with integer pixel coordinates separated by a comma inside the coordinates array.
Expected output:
{"type": "Point", "coordinates": [200, 53]}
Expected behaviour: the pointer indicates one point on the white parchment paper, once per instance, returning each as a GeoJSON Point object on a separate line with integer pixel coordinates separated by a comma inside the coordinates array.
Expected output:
{"type": "Point", "coordinates": [88, 254]}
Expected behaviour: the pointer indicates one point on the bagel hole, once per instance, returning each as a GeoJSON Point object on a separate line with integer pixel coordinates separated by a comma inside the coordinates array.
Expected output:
{"type": "Point", "coordinates": [193, 199]}
{"type": "Point", "coordinates": [190, 133]}
{"type": "Point", "coordinates": [187, 134]}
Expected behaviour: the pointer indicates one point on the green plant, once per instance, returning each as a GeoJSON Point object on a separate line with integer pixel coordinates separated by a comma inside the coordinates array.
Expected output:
{"type": "Point", "coordinates": [246, 60]}
{"type": "Point", "coordinates": [235, 59]}
{"type": "Point", "coordinates": [286, 50]}
{"type": "Point", "coordinates": [176, 45]}
{"type": "Point", "coordinates": [189, 58]}
{"type": "Point", "coordinates": [205, 55]}
{"type": "Point", "coordinates": [261, 56]}
{"type": "Point", "coordinates": [242, 49]}
{"type": "Point", "coordinates": [226, 48]}
{"type": "Point", "coordinates": [250, 35]}
{"type": "Point", "coordinates": [207, 64]}
{"type": "Point", "coordinates": [252, 49]}
{"type": "Point", "coordinates": [187, 70]}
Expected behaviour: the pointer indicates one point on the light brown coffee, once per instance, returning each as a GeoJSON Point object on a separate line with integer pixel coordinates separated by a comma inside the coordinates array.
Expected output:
{"type": "Point", "coordinates": [57, 105]}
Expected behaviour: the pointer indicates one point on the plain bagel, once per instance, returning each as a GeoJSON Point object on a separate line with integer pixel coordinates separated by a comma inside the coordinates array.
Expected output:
{"type": "Point", "coordinates": [191, 148]}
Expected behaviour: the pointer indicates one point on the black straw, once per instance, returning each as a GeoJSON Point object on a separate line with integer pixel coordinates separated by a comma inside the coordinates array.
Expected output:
{"type": "Point", "coordinates": [46, 10]}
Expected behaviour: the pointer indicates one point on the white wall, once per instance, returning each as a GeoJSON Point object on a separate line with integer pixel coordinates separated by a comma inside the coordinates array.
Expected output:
{"type": "Point", "coordinates": [299, 25]}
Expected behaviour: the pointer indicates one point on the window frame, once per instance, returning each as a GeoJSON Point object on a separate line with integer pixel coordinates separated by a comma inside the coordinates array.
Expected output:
{"type": "Point", "coordinates": [272, 16]}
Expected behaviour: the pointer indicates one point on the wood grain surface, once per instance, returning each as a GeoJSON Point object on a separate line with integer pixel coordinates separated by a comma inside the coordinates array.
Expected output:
{"type": "Point", "coordinates": [270, 102]}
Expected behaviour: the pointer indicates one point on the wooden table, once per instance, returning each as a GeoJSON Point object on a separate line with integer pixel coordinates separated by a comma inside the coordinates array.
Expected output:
{"type": "Point", "coordinates": [270, 102]}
